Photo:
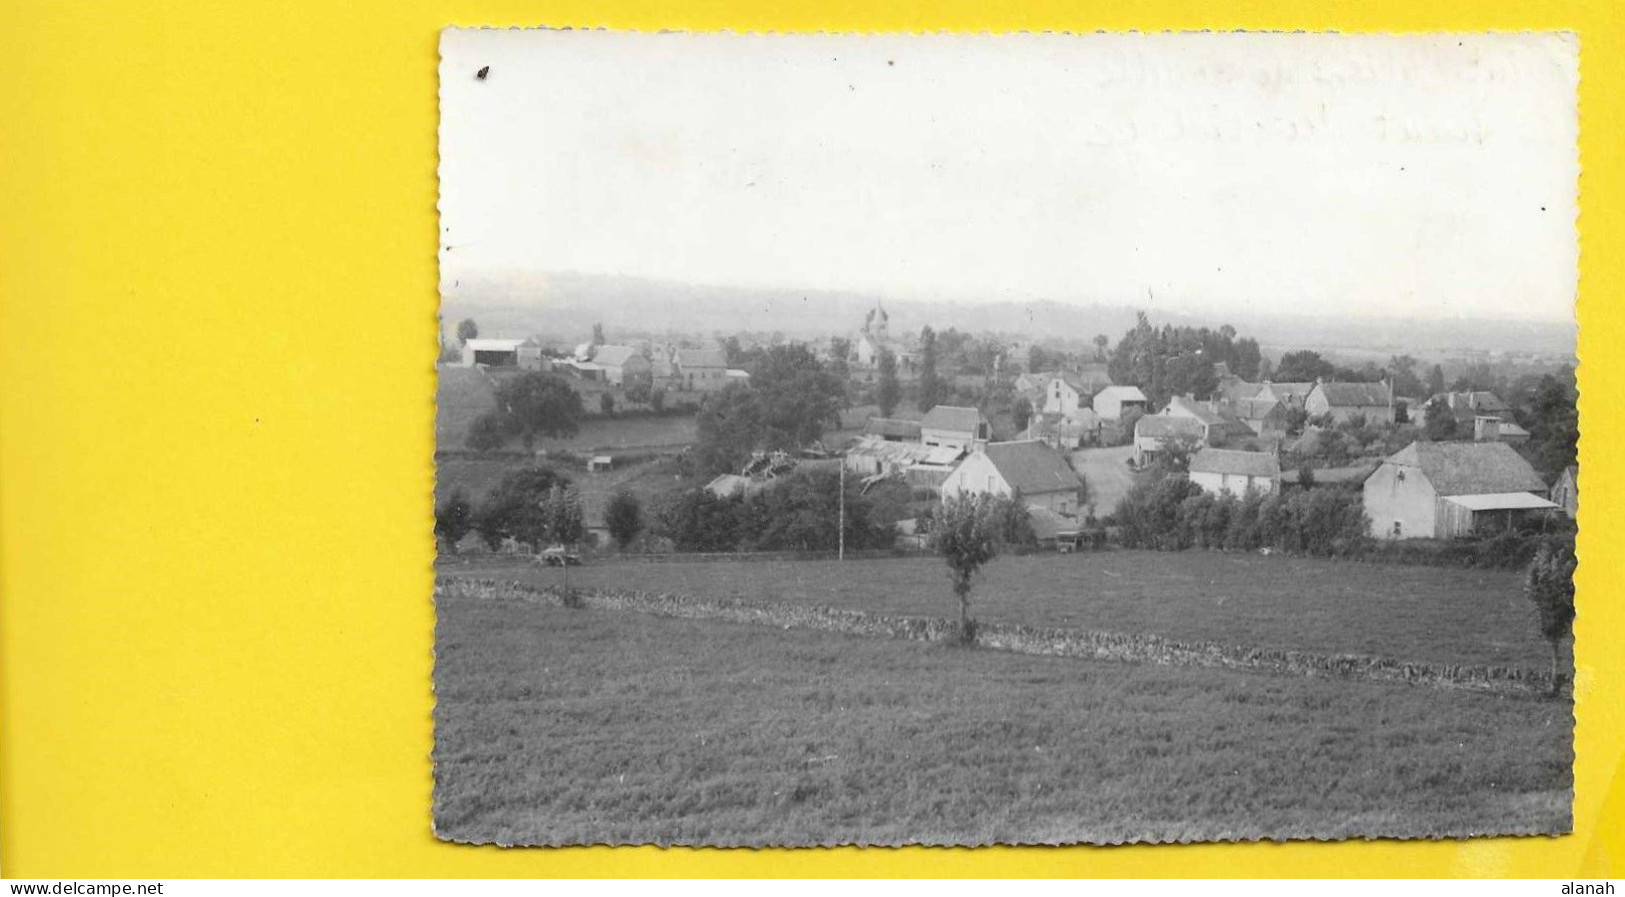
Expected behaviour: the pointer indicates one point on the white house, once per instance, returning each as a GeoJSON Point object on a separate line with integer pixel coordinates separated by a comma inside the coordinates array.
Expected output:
{"type": "Point", "coordinates": [1443, 490]}
{"type": "Point", "coordinates": [621, 365]}
{"type": "Point", "coordinates": [703, 370]}
{"type": "Point", "coordinates": [1039, 473]}
{"type": "Point", "coordinates": [951, 426]}
{"type": "Point", "coordinates": [1223, 470]}
{"type": "Point", "coordinates": [1111, 402]}
{"type": "Point", "coordinates": [1154, 433]}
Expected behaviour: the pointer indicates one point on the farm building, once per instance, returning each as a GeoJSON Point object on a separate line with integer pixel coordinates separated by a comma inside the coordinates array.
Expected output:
{"type": "Point", "coordinates": [503, 353]}
{"type": "Point", "coordinates": [1566, 491]}
{"type": "Point", "coordinates": [1064, 432]}
{"type": "Point", "coordinates": [1448, 489]}
{"type": "Point", "coordinates": [1292, 395]}
{"type": "Point", "coordinates": [1111, 402]}
{"type": "Point", "coordinates": [892, 429]}
{"type": "Point", "coordinates": [1223, 470]}
{"type": "Point", "coordinates": [1266, 417]}
{"type": "Point", "coordinates": [1058, 393]}
{"type": "Point", "coordinates": [1032, 468]}
{"type": "Point", "coordinates": [1471, 404]}
{"type": "Point", "coordinates": [1217, 428]}
{"type": "Point", "coordinates": [1343, 401]}
{"type": "Point", "coordinates": [1489, 428]}
{"type": "Point", "coordinates": [1154, 433]}
{"type": "Point", "coordinates": [1233, 388]}
{"type": "Point", "coordinates": [917, 463]}
{"type": "Point", "coordinates": [952, 426]}
{"type": "Point", "coordinates": [704, 370]}
{"type": "Point", "coordinates": [620, 365]}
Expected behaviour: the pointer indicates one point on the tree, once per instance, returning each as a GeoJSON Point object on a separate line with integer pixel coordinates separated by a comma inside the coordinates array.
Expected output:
{"type": "Point", "coordinates": [930, 385]}
{"type": "Point", "coordinates": [1021, 413]}
{"type": "Point", "coordinates": [640, 390]}
{"type": "Point", "coordinates": [961, 534]}
{"type": "Point", "coordinates": [514, 508]}
{"type": "Point", "coordinates": [840, 352]}
{"type": "Point", "coordinates": [1266, 371]}
{"type": "Point", "coordinates": [536, 404]}
{"type": "Point", "coordinates": [598, 335]}
{"type": "Point", "coordinates": [1438, 421]}
{"type": "Point", "coordinates": [606, 404]}
{"type": "Point", "coordinates": [1435, 382]}
{"type": "Point", "coordinates": [486, 433]}
{"type": "Point", "coordinates": [1549, 584]}
{"type": "Point", "coordinates": [467, 330]}
{"type": "Point", "coordinates": [1303, 366]}
{"type": "Point", "coordinates": [453, 519]}
{"type": "Point", "coordinates": [729, 427]}
{"type": "Point", "coordinates": [799, 396]}
{"type": "Point", "coordinates": [887, 393]}
{"type": "Point", "coordinates": [623, 516]}
{"type": "Point", "coordinates": [1402, 376]}
{"type": "Point", "coordinates": [1101, 342]}
{"type": "Point", "coordinates": [657, 400]}
{"type": "Point", "coordinates": [566, 525]}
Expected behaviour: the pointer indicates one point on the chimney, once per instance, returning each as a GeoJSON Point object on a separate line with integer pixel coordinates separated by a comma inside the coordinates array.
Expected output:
{"type": "Point", "coordinates": [1486, 428]}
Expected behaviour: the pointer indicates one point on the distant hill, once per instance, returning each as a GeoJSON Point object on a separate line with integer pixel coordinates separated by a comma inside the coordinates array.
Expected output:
{"type": "Point", "coordinates": [561, 308]}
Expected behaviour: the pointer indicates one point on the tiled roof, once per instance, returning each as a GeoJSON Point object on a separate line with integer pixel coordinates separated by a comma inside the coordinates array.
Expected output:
{"type": "Point", "coordinates": [1122, 394]}
{"type": "Point", "coordinates": [1362, 395]}
{"type": "Point", "coordinates": [953, 418]}
{"type": "Point", "coordinates": [702, 358]}
{"type": "Point", "coordinates": [890, 426]}
{"type": "Point", "coordinates": [613, 356]}
{"type": "Point", "coordinates": [1470, 468]}
{"type": "Point", "coordinates": [1162, 426]}
{"type": "Point", "coordinates": [1255, 409]}
{"type": "Point", "coordinates": [1253, 464]}
{"type": "Point", "coordinates": [1033, 467]}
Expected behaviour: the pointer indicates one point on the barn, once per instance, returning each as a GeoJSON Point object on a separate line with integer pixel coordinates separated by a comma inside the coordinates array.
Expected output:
{"type": "Point", "coordinates": [1446, 490]}
{"type": "Point", "coordinates": [502, 353]}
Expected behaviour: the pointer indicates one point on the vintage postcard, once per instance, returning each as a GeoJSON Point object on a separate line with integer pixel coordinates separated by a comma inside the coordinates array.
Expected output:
{"type": "Point", "coordinates": [1025, 439]}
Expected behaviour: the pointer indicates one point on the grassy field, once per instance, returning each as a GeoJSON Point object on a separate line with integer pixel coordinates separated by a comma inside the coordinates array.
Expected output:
{"type": "Point", "coordinates": [560, 726]}
{"type": "Point", "coordinates": [466, 393]}
{"type": "Point", "coordinates": [1400, 612]}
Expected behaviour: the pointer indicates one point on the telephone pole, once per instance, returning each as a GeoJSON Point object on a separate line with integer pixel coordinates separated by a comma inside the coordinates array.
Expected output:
{"type": "Point", "coordinates": [840, 529]}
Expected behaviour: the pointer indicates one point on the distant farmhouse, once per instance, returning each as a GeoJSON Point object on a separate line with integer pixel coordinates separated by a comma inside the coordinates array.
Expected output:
{"type": "Point", "coordinates": [1343, 401]}
{"type": "Point", "coordinates": [1292, 395]}
{"type": "Point", "coordinates": [1566, 491]}
{"type": "Point", "coordinates": [1222, 470]}
{"type": "Point", "coordinates": [1154, 434]}
{"type": "Point", "coordinates": [1442, 490]}
{"type": "Point", "coordinates": [951, 426]}
{"type": "Point", "coordinates": [702, 370]}
{"type": "Point", "coordinates": [615, 365]}
{"type": "Point", "coordinates": [503, 353]}
{"type": "Point", "coordinates": [1034, 470]}
{"type": "Point", "coordinates": [1064, 432]}
{"type": "Point", "coordinates": [1110, 403]}
{"type": "Point", "coordinates": [1217, 428]}
{"type": "Point", "coordinates": [1489, 417]}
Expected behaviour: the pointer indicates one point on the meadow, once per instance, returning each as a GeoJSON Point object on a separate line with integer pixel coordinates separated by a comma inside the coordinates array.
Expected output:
{"type": "Point", "coordinates": [581, 726]}
{"type": "Point", "coordinates": [1401, 612]}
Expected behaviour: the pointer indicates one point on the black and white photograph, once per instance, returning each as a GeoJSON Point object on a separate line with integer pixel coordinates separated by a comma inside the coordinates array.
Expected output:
{"type": "Point", "coordinates": [970, 439]}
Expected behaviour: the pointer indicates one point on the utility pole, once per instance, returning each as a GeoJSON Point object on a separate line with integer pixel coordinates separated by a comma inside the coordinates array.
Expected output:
{"type": "Point", "coordinates": [840, 529]}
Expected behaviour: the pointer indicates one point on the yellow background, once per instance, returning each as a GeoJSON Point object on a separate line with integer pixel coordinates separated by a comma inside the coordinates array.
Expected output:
{"type": "Point", "coordinates": [217, 270]}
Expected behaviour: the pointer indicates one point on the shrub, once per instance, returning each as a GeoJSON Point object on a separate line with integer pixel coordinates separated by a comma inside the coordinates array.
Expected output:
{"type": "Point", "coordinates": [486, 433]}
{"type": "Point", "coordinates": [624, 518]}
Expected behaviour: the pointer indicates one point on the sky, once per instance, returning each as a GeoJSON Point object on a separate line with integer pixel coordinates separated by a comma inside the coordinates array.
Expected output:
{"type": "Point", "coordinates": [1376, 176]}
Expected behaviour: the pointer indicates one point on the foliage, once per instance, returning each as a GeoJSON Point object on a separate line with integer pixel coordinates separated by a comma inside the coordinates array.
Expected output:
{"type": "Point", "coordinates": [1438, 421]}
{"type": "Point", "coordinates": [536, 404]}
{"type": "Point", "coordinates": [1304, 366]}
{"type": "Point", "coordinates": [640, 390]}
{"type": "Point", "coordinates": [623, 516]}
{"type": "Point", "coordinates": [1173, 514]}
{"type": "Point", "coordinates": [1169, 361]}
{"type": "Point", "coordinates": [516, 507]}
{"type": "Point", "coordinates": [606, 404]}
{"type": "Point", "coordinates": [1435, 381]}
{"type": "Point", "coordinates": [1553, 422]}
{"type": "Point", "coordinates": [731, 424]}
{"type": "Point", "coordinates": [486, 433]}
{"type": "Point", "coordinates": [598, 335]}
{"type": "Point", "coordinates": [962, 534]}
{"type": "Point", "coordinates": [453, 519]}
{"type": "Point", "coordinates": [888, 392]}
{"type": "Point", "coordinates": [565, 518]}
{"type": "Point", "coordinates": [467, 330]}
{"type": "Point", "coordinates": [1021, 413]}
{"type": "Point", "coordinates": [931, 385]}
{"type": "Point", "coordinates": [799, 512]}
{"type": "Point", "coordinates": [657, 400]}
{"type": "Point", "coordinates": [1127, 421]}
{"type": "Point", "coordinates": [1549, 584]}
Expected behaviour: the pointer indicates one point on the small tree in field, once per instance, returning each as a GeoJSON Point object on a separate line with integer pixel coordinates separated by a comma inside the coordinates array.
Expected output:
{"type": "Point", "coordinates": [624, 517]}
{"type": "Point", "coordinates": [962, 534]}
{"type": "Point", "coordinates": [467, 330]}
{"type": "Point", "coordinates": [1549, 583]}
{"type": "Point", "coordinates": [566, 525]}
